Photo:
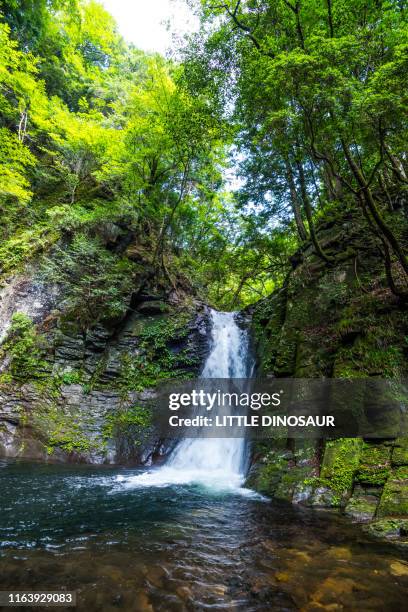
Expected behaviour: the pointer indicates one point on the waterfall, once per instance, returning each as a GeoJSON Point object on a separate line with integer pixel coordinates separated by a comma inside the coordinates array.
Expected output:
{"type": "Point", "coordinates": [217, 462]}
{"type": "Point", "coordinates": [228, 358]}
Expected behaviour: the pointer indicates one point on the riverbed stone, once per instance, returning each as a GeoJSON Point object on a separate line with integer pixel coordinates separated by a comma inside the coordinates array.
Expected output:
{"type": "Point", "coordinates": [397, 568]}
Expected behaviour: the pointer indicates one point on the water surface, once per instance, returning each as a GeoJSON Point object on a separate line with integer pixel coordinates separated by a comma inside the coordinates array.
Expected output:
{"type": "Point", "coordinates": [183, 546]}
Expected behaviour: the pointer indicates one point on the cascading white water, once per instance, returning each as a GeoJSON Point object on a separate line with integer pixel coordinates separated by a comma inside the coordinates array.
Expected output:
{"type": "Point", "coordinates": [216, 462]}
{"type": "Point", "coordinates": [218, 457]}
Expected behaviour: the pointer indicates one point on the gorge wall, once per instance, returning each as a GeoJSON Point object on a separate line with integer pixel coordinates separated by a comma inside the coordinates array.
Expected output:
{"type": "Point", "coordinates": [66, 395]}
{"type": "Point", "coordinates": [336, 321]}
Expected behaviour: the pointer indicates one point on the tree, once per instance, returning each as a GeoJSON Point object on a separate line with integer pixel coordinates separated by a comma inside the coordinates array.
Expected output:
{"type": "Point", "coordinates": [318, 87]}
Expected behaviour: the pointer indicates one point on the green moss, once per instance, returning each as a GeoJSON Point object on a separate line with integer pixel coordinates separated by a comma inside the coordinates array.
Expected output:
{"type": "Point", "coordinates": [400, 452]}
{"type": "Point", "coordinates": [374, 465]}
{"type": "Point", "coordinates": [156, 360]}
{"type": "Point", "coordinates": [388, 528]}
{"type": "Point", "coordinates": [65, 431]}
{"type": "Point", "coordinates": [340, 462]}
{"type": "Point", "coordinates": [74, 377]}
{"type": "Point", "coordinates": [283, 473]}
{"type": "Point", "coordinates": [138, 373]}
{"type": "Point", "coordinates": [363, 504]}
{"type": "Point", "coordinates": [25, 348]}
{"type": "Point", "coordinates": [130, 422]}
{"type": "Point", "coordinates": [268, 474]}
{"type": "Point", "coordinates": [160, 332]}
{"type": "Point", "coordinates": [24, 245]}
{"type": "Point", "coordinates": [394, 499]}
{"type": "Point", "coordinates": [294, 479]}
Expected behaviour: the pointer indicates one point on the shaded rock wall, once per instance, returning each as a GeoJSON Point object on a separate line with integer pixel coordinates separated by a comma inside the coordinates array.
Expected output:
{"type": "Point", "coordinates": [91, 397]}
{"type": "Point", "coordinates": [337, 321]}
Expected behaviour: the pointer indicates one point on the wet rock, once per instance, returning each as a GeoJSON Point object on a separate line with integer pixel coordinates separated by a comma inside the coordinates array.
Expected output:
{"type": "Point", "coordinates": [334, 589]}
{"type": "Point", "coordinates": [389, 528]}
{"type": "Point", "coordinates": [292, 486]}
{"type": "Point", "coordinates": [340, 553]}
{"type": "Point", "coordinates": [362, 506]}
{"type": "Point", "coordinates": [282, 576]}
{"type": "Point", "coordinates": [184, 593]}
{"type": "Point", "coordinates": [155, 575]}
{"type": "Point", "coordinates": [324, 497]}
{"type": "Point", "coordinates": [141, 603]}
{"type": "Point", "coordinates": [302, 494]}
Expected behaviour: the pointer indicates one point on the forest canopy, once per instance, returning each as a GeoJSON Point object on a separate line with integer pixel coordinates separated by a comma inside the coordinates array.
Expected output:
{"type": "Point", "coordinates": [305, 100]}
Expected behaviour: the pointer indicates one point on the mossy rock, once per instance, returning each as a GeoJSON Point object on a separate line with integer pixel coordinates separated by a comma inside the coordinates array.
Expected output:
{"type": "Point", "coordinates": [339, 465]}
{"type": "Point", "coordinates": [343, 451]}
{"type": "Point", "coordinates": [286, 356]}
{"type": "Point", "coordinates": [155, 307]}
{"type": "Point", "coordinates": [390, 528]}
{"type": "Point", "coordinates": [267, 321]}
{"type": "Point", "coordinates": [294, 483]}
{"type": "Point", "coordinates": [266, 476]}
{"type": "Point", "coordinates": [305, 358]}
{"type": "Point", "coordinates": [304, 452]}
{"type": "Point", "coordinates": [400, 452]}
{"type": "Point", "coordinates": [375, 462]}
{"type": "Point", "coordinates": [362, 505]}
{"type": "Point", "coordinates": [394, 499]}
{"type": "Point", "coordinates": [324, 497]}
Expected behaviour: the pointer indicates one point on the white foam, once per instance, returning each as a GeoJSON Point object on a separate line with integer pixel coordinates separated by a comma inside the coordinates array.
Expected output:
{"type": "Point", "coordinates": [214, 481]}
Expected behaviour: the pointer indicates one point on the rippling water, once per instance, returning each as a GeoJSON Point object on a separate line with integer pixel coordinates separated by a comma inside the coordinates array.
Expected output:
{"type": "Point", "coordinates": [183, 547]}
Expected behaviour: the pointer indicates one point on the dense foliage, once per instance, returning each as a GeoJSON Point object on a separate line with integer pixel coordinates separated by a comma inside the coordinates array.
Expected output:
{"type": "Point", "coordinates": [319, 95]}
{"type": "Point", "coordinates": [103, 146]}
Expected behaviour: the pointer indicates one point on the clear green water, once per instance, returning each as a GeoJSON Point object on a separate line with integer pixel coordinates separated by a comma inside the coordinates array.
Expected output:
{"type": "Point", "coordinates": [183, 547]}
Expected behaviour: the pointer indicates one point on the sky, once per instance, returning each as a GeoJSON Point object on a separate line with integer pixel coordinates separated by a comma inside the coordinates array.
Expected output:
{"type": "Point", "coordinates": [143, 22]}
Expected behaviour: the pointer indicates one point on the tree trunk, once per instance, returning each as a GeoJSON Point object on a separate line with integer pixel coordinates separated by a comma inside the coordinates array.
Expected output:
{"type": "Point", "coordinates": [372, 207]}
{"type": "Point", "coordinates": [309, 215]}
{"type": "Point", "coordinates": [296, 206]}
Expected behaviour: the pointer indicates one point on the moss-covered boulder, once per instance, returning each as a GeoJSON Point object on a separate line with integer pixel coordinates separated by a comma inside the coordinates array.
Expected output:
{"type": "Point", "coordinates": [375, 464]}
{"type": "Point", "coordinates": [338, 468]}
{"type": "Point", "coordinates": [400, 452]}
{"type": "Point", "coordinates": [392, 529]}
{"type": "Point", "coordinates": [394, 498]}
{"type": "Point", "coordinates": [362, 505]}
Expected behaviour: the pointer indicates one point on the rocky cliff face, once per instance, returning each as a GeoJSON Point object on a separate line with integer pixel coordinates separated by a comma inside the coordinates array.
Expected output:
{"type": "Point", "coordinates": [337, 321]}
{"type": "Point", "coordinates": [69, 396]}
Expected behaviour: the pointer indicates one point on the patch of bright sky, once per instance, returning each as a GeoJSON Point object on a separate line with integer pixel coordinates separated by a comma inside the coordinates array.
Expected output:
{"type": "Point", "coordinates": [156, 26]}
{"type": "Point", "coordinates": [152, 24]}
